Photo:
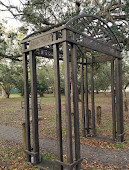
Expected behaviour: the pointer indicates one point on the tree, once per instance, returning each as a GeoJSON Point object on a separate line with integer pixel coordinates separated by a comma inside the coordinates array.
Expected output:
{"type": "Point", "coordinates": [102, 77]}
{"type": "Point", "coordinates": [6, 78]}
{"type": "Point", "coordinates": [42, 84]}
{"type": "Point", "coordinates": [116, 15]}
{"type": "Point", "coordinates": [37, 14]}
{"type": "Point", "coordinates": [10, 43]}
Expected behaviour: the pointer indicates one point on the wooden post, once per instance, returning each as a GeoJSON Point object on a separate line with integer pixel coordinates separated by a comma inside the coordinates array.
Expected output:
{"type": "Point", "coordinates": [119, 100]}
{"type": "Point", "coordinates": [75, 104]}
{"type": "Point", "coordinates": [92, 99]}
{"type": "Point", "coordinates": [34, 106]}
{"type": "Point", "coordinates": [82, 98]}
{"type": "Point", "coordinates": [113, 100]}
{"type": "Point", "coordinates": [58, 103]}
{"type": "Point", "coordinates": [26, 99]}
{"type": "Point", "coordinates": [99, 113]}
{"type": "Point", "coordinates": [86, 98]}
{"type": "Point", "coordinates": [67, 103]}
{"type": "Point", "coordinates": [24, 136]}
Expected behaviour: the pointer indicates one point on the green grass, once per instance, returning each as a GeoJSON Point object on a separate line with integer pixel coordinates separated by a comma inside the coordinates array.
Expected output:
{"type": "Point", "coordinates": [11, 96]}
{"type": "Point", "coordinates": [12, 115]}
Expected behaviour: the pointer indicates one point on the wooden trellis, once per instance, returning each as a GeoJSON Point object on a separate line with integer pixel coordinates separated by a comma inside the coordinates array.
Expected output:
{"type": "Point", "coordinates": [82, 33]}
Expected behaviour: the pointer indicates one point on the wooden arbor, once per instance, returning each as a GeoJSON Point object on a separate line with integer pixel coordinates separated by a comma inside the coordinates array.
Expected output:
{"type": "Point", "coordinates": [82, 33]}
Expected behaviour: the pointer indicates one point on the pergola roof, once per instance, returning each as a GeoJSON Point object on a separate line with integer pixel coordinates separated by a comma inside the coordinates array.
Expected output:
{"type": "Point", "coordinates": [92, 33]}
{"type": "Point", "coordinates": [94, 27]}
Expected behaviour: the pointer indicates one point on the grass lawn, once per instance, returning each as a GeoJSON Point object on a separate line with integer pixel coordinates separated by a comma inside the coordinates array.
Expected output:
{"type": "Point", "coordinates": [12, 114]}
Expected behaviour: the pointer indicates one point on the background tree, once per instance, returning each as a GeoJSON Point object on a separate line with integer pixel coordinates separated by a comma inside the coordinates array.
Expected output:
{"type": "Point", "coordinates": [102, 77]}
{"type": "Point", "coordinates": [42, 83]}
{"type": "Point", "coordinates": [37, 15]}
{"type": "Point", "coordinates": [6, 78]}
{"type": "Point", "coordinates": [10, 42]}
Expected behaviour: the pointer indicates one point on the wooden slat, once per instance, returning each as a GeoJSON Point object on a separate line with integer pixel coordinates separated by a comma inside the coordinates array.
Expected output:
{"type": "Point", "coordinates": [75, 104]}
{"type": "Point", "coordinates": [119, 100]}
{"type": "Point", "coordinates": [82, 98]}
{"type": "Point", "coordinates": [94, 44]}
{"type": "Point", "coordinates": [58, 103]}
{"type": "Point", "coordinates": [67, 103]}
{"type": "Point", "coordinates": [34, 105]}
{"type": "Point", "coordinates": [92, 99]}
{"type": "Point", "coordinates": [113, 100]}
{"type": "Point", "coordinates": [86, 98]}
{"type": "Point", "coordinates": [26, 99]}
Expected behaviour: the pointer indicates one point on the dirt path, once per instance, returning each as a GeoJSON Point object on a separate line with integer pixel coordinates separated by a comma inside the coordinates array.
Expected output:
{"type": "Point", "coordinates": [104, 156]}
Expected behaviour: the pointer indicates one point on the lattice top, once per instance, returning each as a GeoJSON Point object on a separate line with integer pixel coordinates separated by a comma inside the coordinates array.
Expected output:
{"type": "Point", "coordinates": [94, 27]}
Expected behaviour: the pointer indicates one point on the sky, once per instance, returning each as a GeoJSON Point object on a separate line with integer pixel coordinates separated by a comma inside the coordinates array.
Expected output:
{"type": "Point", "coordinates": [11, 22]}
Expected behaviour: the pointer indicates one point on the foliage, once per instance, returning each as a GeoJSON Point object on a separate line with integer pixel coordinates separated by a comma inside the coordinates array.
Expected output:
{"type": "Point", "coordinates": [42, 84]}
{"type": "Point", "coordinates": [10, 42]}
{"type": "Point", "coordinates": [102, 77]}
{"type": "Point", "coordinates": [11, 76]}
{"type": "Point", "coordinates": [6, 78]}
{"type": "Point", "coordinates": [125, 68]}
{"type": "Point", "coordinates": [116, 15]}
{"type": "Point", "coordinates": [37, 14]}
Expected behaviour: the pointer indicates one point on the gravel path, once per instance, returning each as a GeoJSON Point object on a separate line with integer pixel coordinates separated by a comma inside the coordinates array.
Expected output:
{"type": "Point", "coordinates": [105, 156]}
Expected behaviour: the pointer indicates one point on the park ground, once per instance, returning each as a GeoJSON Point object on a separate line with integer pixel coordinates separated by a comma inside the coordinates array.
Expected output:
{"type": "Point", "coordinates": [12, 115]}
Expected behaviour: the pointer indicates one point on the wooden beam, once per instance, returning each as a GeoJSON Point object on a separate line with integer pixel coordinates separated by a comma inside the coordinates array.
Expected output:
{"type": "Point", "coordinates": [34, 106]}
{"type": "Point", "coordinates": [75, 104]}
{"type": "Point", "coordinates": [92, 99]}
{"type": "Point", "coordinates": [67, 103]}
{"type": "Point", "coordinates": [113, 100]}
{"type": "Point", "coordinates": [119, 101]}
{"type": "Point", "coordinates": [27, 113]}
{"type": "Point", "coordinates": [58, 104]}
{"type": "Point", "coordinates": [82, 99]}
{"type": "Point", "coordinates": [86, 98]}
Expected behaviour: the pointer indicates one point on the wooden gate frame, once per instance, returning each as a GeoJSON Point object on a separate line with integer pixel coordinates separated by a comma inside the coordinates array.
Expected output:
{"type": "Point", "coordinates": [62, 44]}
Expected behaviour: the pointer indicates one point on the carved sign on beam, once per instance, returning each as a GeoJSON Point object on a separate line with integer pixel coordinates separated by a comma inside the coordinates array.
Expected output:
{"type": "Point", "coordinates": [40, 41]}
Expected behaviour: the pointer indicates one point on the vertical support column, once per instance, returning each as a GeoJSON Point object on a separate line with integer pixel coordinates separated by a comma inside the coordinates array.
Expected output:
{"type": "Point", "coordinates": [75, 105]}
{"type": "Point", "coordinates": [82, 98]}
{"type": "Point", "coordinates": [113, 100]}
{"type": "Point", "coordinates": [26, 100]}
{"type": "Point", "coordinates": [119, 100]}
{"type": "Point", "coordinates": [92, 99]}
{"type": "Point", "coordinates": [67, 103]}
{"type": "Point", "coordinates": [34, 106]}
{"type": "Point", "coordinates": [86, 98]}
{"type": "Point", "coordinates": [58, 103]}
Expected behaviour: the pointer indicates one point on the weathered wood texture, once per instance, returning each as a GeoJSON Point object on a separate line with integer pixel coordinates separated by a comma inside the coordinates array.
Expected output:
{"type": "Point", "coordinates": [27, 113]}
{"type": "Point", "coordinates": [75, 104]}
{"type": "Point", "coordinates": [83, 99]}
{"type": "Point", "coordinates": [58, 103]}
{"type": "Point", "coordinates": [92, 99]}
{"type": "Point", "coordinates": [99, 114]}
{"type": "Point", "coordinates": [113, 100]}
{"type": "Point", "coordinates": [67, 103]}
{"type": "Point", "coordinates": [119, 100]}
{"type": "Point", "coordinates": [34, 106]}
{"type": "Point", "coordinates": [86, 98]}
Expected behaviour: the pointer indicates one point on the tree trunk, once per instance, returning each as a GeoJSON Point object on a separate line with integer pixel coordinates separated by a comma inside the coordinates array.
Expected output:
{"type": "Point", "coordinates": [7, 95]}
{"type": "Point", "coordinates": [3, 92]}
{"type": "Point", "coordinates": [97, 91]}
{"type": "Point", "coordinates": [125, 99]}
